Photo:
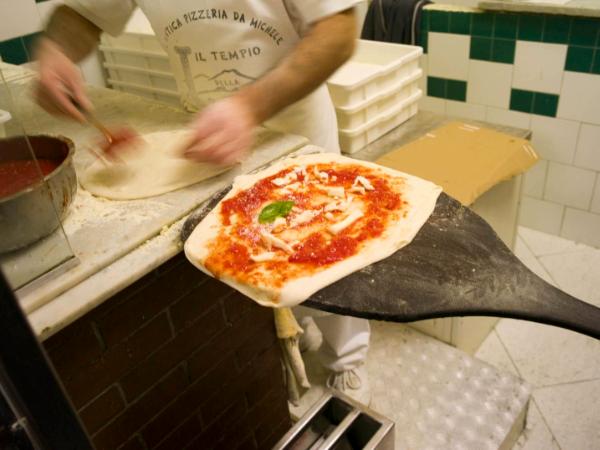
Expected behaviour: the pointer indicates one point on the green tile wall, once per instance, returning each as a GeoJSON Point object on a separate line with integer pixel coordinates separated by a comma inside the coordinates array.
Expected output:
{"type": "Point", "coordinates": [460, 23]}
{"type": "Point", "coordinates": [557, 29]}
{"type": "Point", "coordinates": [481, 48]}
{"type": "Point", "coordinates": [503, 51]}
{"type": "Point", "coordinates": [495, 50]}
{"type": "Point", "coordinates": [534, 102]}
{"type": "Point", "coordinates": [505, 26]}
{"type": "Point", "coordinates": [579, 59]}
{"type": "Point", "coordinates": [483, 25]}
{"type": "Point", "coordinates": [439, 21]}
{"type": "Point", "coordinates": [13, 51]}
{"type": "Point", "coordinates": [526, 27]}
{"type": "Point", "coordinates": [18, 50]}
{"type": "Point", "coordinates": [448, 89]}
{"type": "Point", "coordinates": [584, 31]}
{"type": "Point", "coordinates": [531, 27]}
{"type": "Point", "coordinates": [583, 59]}
{"type": "Point", "coordinates": [596, 63]}
{"type": "Point", "coordinates": [494, 37]}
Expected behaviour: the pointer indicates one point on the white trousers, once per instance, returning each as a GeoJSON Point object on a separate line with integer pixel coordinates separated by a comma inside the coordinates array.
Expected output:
{"type": "Point", "coordinates": [345, 338]}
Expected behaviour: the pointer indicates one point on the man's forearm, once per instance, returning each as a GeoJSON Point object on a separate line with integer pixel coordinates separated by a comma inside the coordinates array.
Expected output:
{"type": "Point", "coordinates": [73, 33]}
{"type": "Point", "coordinates": [326, 47]}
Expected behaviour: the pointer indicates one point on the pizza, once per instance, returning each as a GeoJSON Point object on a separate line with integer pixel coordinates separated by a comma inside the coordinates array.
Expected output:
{"type": "Point", "coordinates": [288, 231]}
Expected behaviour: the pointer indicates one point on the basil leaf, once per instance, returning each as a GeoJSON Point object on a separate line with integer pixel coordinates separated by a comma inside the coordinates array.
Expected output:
{"type": "Point", "coordinates": [274, 210]}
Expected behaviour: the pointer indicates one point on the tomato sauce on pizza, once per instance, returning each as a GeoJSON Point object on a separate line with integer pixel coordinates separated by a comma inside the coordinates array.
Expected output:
{"type": "Point", "coordinates": [301, 220]}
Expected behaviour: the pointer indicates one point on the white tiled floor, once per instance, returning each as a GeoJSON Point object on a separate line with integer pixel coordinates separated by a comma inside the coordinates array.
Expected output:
{"type": "Point", "coordinates": [562, 366]}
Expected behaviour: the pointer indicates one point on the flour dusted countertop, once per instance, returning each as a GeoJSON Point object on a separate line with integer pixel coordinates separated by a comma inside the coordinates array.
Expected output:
{"type": "Point", "coordinates": [116, 242]}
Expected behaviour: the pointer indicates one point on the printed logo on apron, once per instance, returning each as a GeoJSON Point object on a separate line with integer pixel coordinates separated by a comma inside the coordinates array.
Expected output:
{"type": "Point", "coordinates": [216, 47]}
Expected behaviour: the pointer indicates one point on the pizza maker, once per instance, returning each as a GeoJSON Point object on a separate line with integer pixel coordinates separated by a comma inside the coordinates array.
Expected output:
{"type": "Point", "coordinates": [456, 266]}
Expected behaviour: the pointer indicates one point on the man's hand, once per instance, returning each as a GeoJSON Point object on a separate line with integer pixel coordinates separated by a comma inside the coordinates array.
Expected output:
{"type": "Point", "coordinates": [59, 82]}
{"type": "Point", "coordinates": [69, 38]}
{"type": "Point", "coordinates": [223, 132]}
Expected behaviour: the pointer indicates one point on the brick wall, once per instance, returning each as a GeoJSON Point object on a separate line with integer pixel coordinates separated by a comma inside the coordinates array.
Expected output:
{"type": "Point", "coordinates": [177, 360]}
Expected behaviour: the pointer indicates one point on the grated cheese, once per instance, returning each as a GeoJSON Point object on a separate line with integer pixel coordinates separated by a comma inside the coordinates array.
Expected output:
{"type": "Point", "coordinates": [358, 189]}
{"type": "Point", "coordinates": [335, 191]}
{"type": "Point", "coordinates": [292, 176]}
{"type": "Point", "coordinates": [276, 242]}
{"type": "Point", "coordinates": [265, 256]}
{"type": "Point", "coordinates": [365, 182]}
{"type": "Point", "coordinates": [349, 220]}
{"type": "Point", "coordinates": [304, 216]}
{"type": "Point", "coordinates": [279, 222]}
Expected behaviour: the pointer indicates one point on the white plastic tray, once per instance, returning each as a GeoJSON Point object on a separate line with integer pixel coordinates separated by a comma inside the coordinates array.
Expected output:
{"type": "Point", "coordinates": [350, 118]}
{"type": "Point", "coordinates": [141, 76]}
{"type": "Point", "coordinates": [144, 59]}
{"type": "Point", "coordinates": [375, 67]}
{"type": "Point", "coordinates": [133, 41]}
{"type": "Point", "coordinates": [352, 140]}
{"type": "Point", "coordinates": [161, 95]}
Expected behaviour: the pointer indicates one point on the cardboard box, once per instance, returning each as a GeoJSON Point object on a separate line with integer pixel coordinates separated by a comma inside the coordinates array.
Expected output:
{"type": "Point", "coordinates": [464, 159]}
{"type": "Point", "coordinates": [482, 169]}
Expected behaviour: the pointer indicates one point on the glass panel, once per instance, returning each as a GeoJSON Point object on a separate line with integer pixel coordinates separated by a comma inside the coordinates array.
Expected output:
{"type": "Point", "coordinates": [37, 185]}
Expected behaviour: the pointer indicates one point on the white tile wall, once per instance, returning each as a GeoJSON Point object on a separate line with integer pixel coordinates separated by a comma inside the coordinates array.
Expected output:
{"type": "Point", "coordinates": [539, 66]}
{"type": "Point", "coordinates": [433, 104]}
{"type": "Point", "coordinates": [569, 145]}
{"type": "Point", "coordinates": [588, 147]}
{"type": "Point", "coordinates": [596, 196]}
{"type": "Point", "coordinates": [541, 215]}
{"type": "Point", "coordinates": [465, 110]}
{"type": "Point", "coordinates": [554, 139]}
{"type": "Point", "coordinates": [46, 7]}
{"type": "Point", "coordinates": [509, 118]}
{"type": "Point", "coordinates": [482, 76]}
{"type": "Point", "coordinates": [580, 97]}
{"type": "Point", "coordinates": [18, 18]}
{"type": "Point", "coordinates": [569, 185]}
{"type": "Point", "coordinates": [449, 55]}
{"type": "Point", "coordinates": [581, 226]}
{"type": "Point", "coordinates": [535, 180]}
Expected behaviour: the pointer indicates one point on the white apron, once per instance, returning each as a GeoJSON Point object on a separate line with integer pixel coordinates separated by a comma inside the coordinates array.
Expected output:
{"type": "Point", "coordinates": [216, 47]}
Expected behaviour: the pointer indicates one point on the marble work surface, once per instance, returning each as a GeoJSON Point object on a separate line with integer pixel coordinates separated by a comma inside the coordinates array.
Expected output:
{"type": "Point", "coordinates": [119, 242]}
{"type": "Point", "coordinates": [101, 232]}
{"type": "Point", "coordinates": [586, 8]}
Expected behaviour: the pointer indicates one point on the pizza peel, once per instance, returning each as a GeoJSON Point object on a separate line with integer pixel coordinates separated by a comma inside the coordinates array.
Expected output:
{"type": "Point", "coordinates": [455, 266]}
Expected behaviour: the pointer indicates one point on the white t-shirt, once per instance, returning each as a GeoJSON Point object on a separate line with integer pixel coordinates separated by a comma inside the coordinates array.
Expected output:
{"type": "Point", "coordinates": [215, 47]}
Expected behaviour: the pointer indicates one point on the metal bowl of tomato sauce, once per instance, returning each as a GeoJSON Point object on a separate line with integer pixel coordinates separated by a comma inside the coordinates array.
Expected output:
{"type": "Point", "coordinates": [34, 194]}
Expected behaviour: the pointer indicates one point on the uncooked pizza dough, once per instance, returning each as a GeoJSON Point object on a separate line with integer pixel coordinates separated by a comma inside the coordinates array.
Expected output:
{"type": "Point", "coordinates": [286, 232]}
{"type": "Point", "coordinates": [155, 167]}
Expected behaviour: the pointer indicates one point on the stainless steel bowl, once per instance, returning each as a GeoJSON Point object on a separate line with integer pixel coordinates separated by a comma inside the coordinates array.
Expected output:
{"type": "Point", "coordinates": [36, 211]}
